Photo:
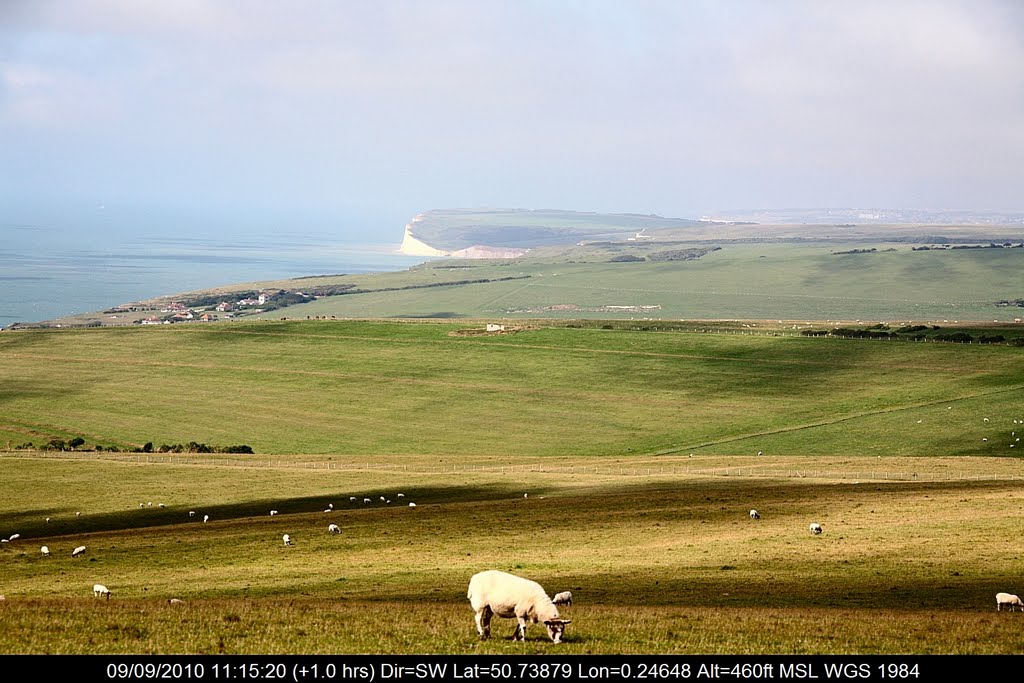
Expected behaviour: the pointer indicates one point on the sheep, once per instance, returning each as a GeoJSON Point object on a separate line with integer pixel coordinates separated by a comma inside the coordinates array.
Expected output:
{"type": "Point", "coordinates": [754, 514]}
{"type": "Point", "coordinates": [45, 550]}
{"type": "Point", "coordinates": [78, 514]}
{"type": "Point", "coordinates": [160, 505]}
{"type": "Point", "coordinates": [47, 520]}
{"type": "Point", "coordinates": [191, 513]}
{"type": "Point", "coordinates": [382, 499]}
{"type": "Point", "coordinates": [273, 512]}
{"type": "Point", "coordinates": [175, 601]}
{"type": "Point", "coordinates": [352, 499]}
{"type": "Point", "coordinates": [815, 528]}
{"type": "Point", "coordinates": [563, 598]}
{"type": "Point", "coordinates": [142, 505]}
{"type": "Point", "coordinates": [328, 510]}
{"type": "Point", "coordinates": [330, 506]}
{"type": "Point", "coordinates": [366, 500]}
{"type": "Point", "coordinates": [15, 537]}
{"type": "Point", "coordinates": [206, 518]}
{"type": "Point", "coordinates": [287, 539]}
{"type": "Point", "coordinates": [1012, 602]}
{"type": "Point", "coordinates": [333, 529]}
{"type": "Point", "coordinates": [401, 495]}
{"type": "Point", "coordinates": [99, 589]}
{"type": "Point", "coordinates": [412, 505]}
{"type": "Point", "coordinates": [496, 592]}
{"type": "Point", "coordinates": [78, 551]}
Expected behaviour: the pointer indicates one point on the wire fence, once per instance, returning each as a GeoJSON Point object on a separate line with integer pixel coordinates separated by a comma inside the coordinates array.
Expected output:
{"type": "Point", "coordinates": [663, 471]}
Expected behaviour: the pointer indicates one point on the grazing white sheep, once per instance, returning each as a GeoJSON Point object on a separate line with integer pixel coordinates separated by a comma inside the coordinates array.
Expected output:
{"type": "Point", "coordinates": [815, 528]}
{"type": "Point", "coordinates": [273, 512]}
{"type": "Point", "coordinates": [494, 592]}
{"type": "Point", "coordinates": [754, 514]}
{"type": "Point", "coordinates": [206, 518]}
{"type": "Point", "coordinates": [142, 505]}
{"type": "Point", "coordinates": [160, 505]}
{"type": "Point", "coordinates": [366, 500]}
{"type": "Point", "coordinates": [47, 520]}
{"type": "Point", "coordinates": [563, 598]}
{"type": "Point", "coordinates": [78, 514]}
{"type": "Point", "coordinates": [78, 551]}
{"type": "Point", "coordinates": [760, 452]}
{"type": "Point", "coordinates": [175, 601]}
{"type": "Point", "coordinates": [45, 550]}
{"type": "Point", "coordinates": [401, 495]}
{"type": "Point", "coordinates": [352, 498]}
{"type": "Point", "coordinates": [99, 589]}
{"type": "Point", "coordinates": [191, 513]}
{"type": "Point", "coordinates": [333, 528]}
{"type": "Point", "coordinates": [1010, 601]}
{"type": "Point", "coordinates": [287, 539]}
{"type": "Point", "coordinates": [382, 498]}
{"type": "Point", "coordinates": [15, 537]}
{"type": "Point", "coordinates": [328, 510]}
{"type": "Point", "coordinates": [330, 506]}
{"type": "Point", "coordinates": [412, 505]}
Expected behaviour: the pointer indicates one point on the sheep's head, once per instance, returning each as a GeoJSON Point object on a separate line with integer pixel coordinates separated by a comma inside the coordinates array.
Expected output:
{"type": "Point", "coordinates": [556, 627]}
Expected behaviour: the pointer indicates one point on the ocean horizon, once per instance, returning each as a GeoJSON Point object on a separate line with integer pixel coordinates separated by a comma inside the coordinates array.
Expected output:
{"type": "Point", "coordinates": [47, 275]}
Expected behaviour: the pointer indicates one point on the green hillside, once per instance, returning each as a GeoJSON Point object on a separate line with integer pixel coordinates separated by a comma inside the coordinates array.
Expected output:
{"type": "Point", "coordinates": [333, 387]}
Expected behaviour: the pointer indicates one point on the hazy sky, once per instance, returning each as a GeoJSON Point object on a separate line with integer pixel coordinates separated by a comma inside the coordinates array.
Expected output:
{"type": "Point", "coordinates": [360, 114]}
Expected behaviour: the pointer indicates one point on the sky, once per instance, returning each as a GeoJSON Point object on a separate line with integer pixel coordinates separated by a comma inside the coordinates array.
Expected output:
{"type": "Point", "coordinates": [354, 116]}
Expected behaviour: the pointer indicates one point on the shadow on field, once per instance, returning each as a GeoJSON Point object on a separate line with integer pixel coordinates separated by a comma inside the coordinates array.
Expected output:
{"type": "Point", "coordinates": [31, 524]}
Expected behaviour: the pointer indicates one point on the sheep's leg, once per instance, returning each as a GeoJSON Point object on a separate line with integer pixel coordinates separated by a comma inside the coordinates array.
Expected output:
{"type": "Point", "coordinates": [520, 630]}
{"type": "Point", "coordinates": [483, 622]}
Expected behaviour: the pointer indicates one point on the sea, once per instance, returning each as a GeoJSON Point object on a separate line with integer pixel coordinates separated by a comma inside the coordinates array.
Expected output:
{"type": "Point", "coordinates": [47, 273]}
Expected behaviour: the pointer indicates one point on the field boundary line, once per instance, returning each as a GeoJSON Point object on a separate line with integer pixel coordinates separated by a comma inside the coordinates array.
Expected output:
{"type": "Point", "coordinates": [826, 423]}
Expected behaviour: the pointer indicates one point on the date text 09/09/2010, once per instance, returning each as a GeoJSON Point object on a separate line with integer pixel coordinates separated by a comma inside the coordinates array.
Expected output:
{"type": "Point", "coordinates": [299, 669]}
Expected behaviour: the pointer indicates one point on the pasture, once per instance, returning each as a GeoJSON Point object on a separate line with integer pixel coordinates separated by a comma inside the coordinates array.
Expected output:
{"type": "Point", "coordinates": [387, 389]}
{"type": "Point", "coordinates": [636, 449]}
{"type": "Point", "coordinates": [657, 563]}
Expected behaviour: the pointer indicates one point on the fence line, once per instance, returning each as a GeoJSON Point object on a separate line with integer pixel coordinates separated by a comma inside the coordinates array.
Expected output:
{"type": "Point", "coordinates": [748, 472]}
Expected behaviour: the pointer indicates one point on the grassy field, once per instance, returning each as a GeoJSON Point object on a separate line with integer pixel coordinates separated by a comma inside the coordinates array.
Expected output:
{"type": "Point", "coordinates": [617, 464]}
{"type": "Point", "coordinates": [387, 389]}
{"type": "Point", "coordinates": [792, 281]}
{"type": "Point", "coordinates": [657, 563]}
{"type": "Point", "coordinates": [740, 281]}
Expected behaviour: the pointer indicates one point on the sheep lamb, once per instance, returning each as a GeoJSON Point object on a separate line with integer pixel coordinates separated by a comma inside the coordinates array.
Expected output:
{"type": "Point", "coordinates": [99, 589]}
{"type": "Point", "coordinates": [1008, 600]}
{"type": "Point", "coordinates": [494, 592]}
{"type": "Point", "coordinates": [563, 598]}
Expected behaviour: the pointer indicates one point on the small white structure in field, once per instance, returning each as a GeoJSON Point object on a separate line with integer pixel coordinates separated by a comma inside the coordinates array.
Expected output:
{"type": "Point", "coordinates": [495, 327]}
{"type": "Point", "coordinates": [815, 528]}
{"type": "Point", "coordinates": [206, 518]}
{"type": "Point", "coordinates": [563, 598]}
{"type": "Point", "coordinates": [333, 528]}
{"type": "Point", "coordinates": [1008, 600]}
{"type": "Point", "coordinates": [754, 514]}
{"type": "Point", "coordinates": [45, 550]}
{"type": "Point", "coordinates": [273, 512]}
{"type": "Point", "coordinates": [509, 596]}
{"type": "Point", "coordinates": [99, 589]}
{"type": "Point", "coordinates": [80, 550]}
{"type": "Point", "coordinates": [287, 539]}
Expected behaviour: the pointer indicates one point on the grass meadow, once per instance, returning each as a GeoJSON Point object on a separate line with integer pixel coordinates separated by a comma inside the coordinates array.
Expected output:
{"type": "Point", "coordinates": [799, 282]}
{"type": "Point", "coordinates": [616, 464]}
